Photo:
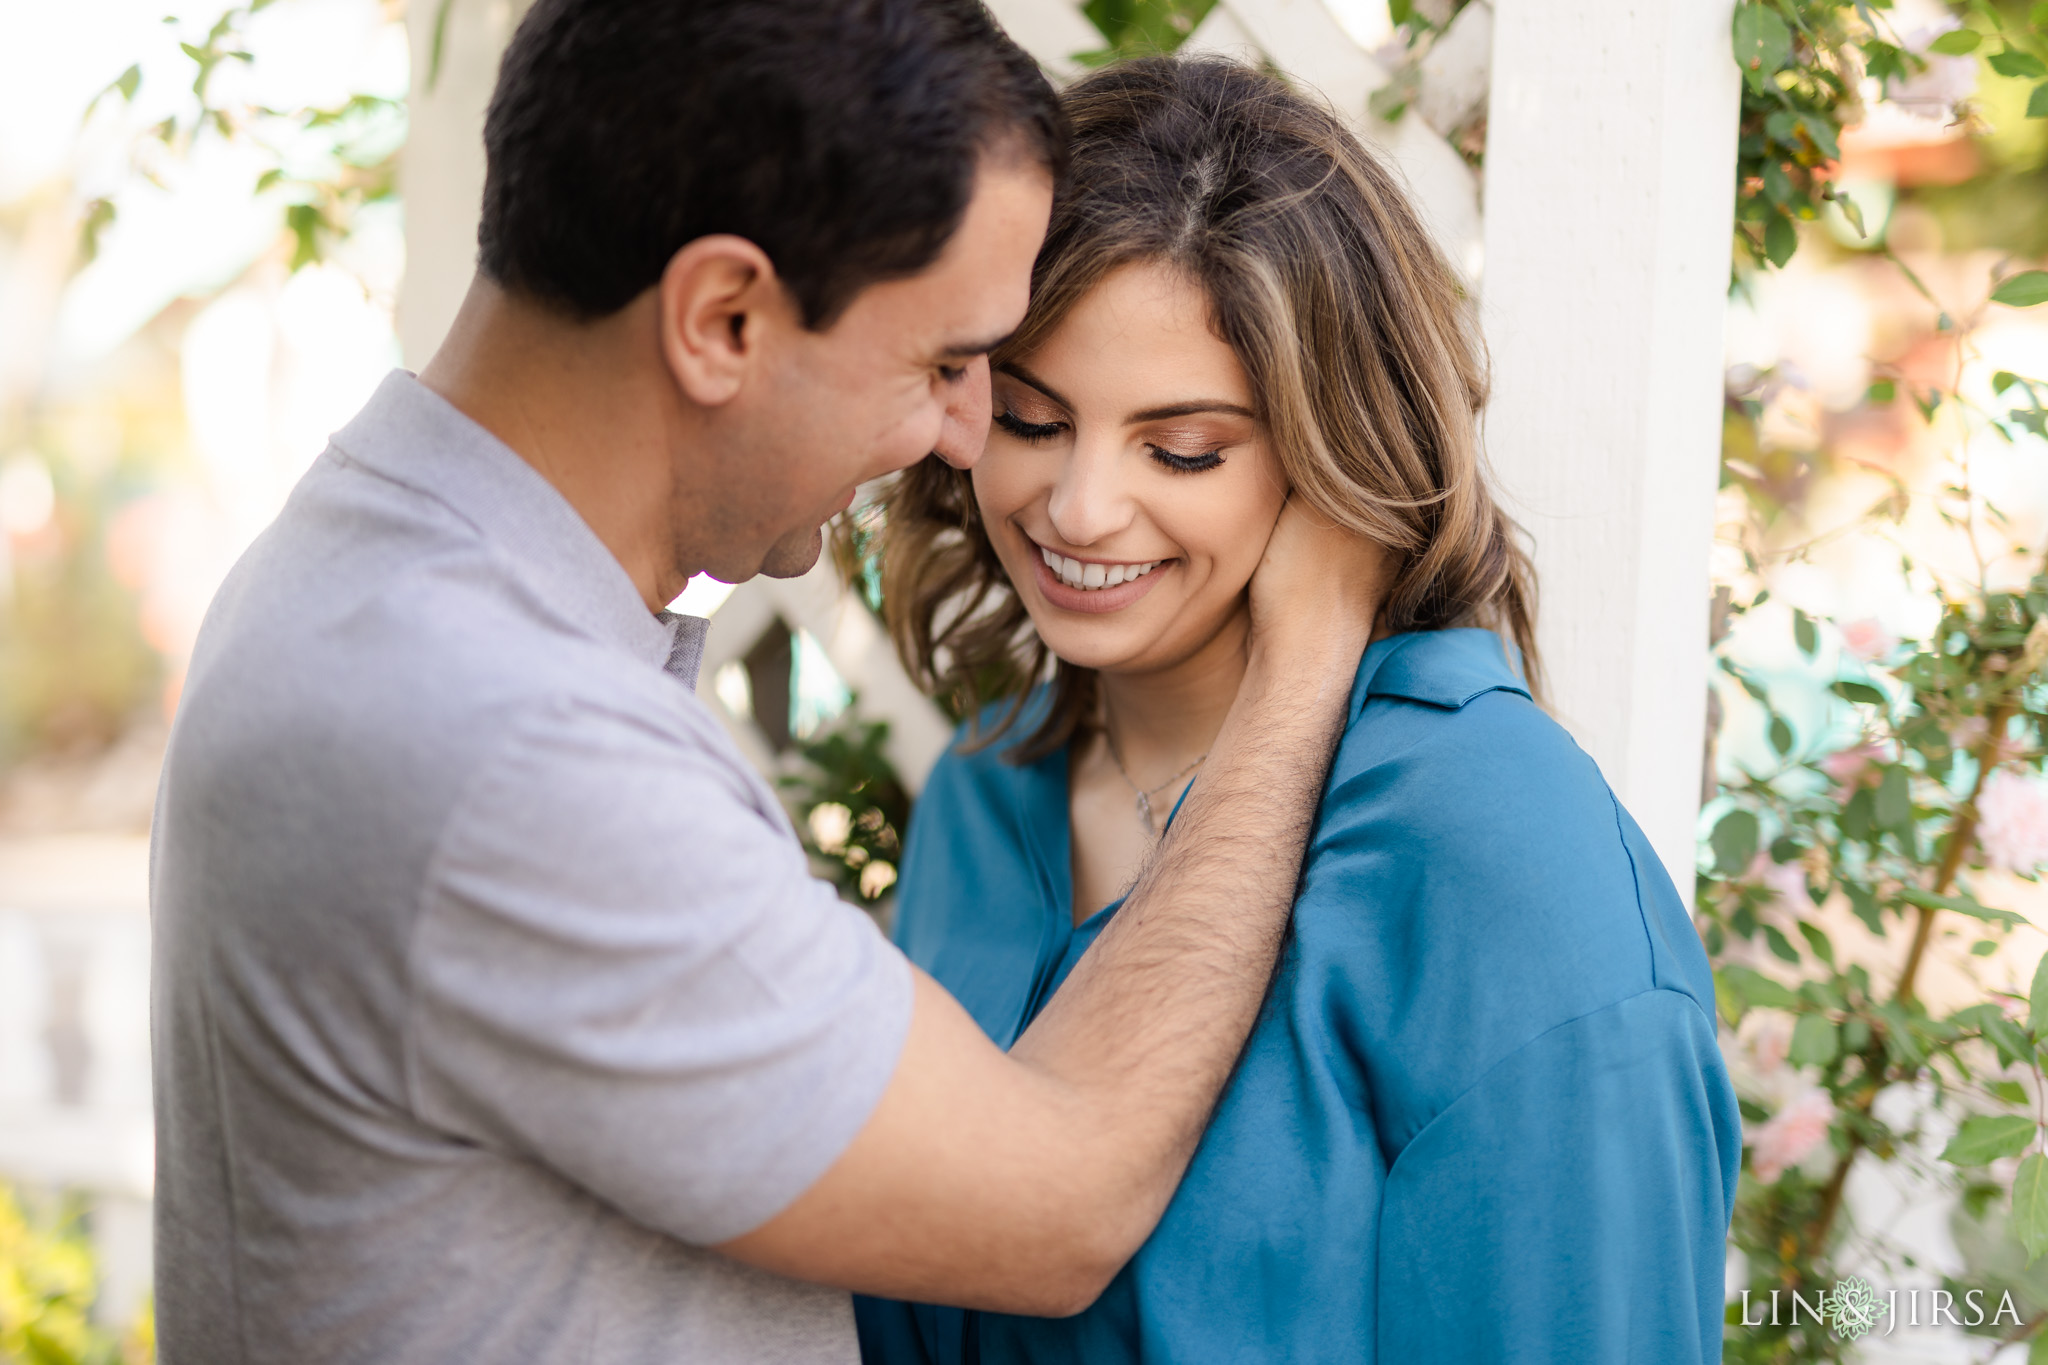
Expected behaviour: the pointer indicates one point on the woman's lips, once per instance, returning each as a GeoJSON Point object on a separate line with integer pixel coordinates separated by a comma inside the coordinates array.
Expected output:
{"type": "Point", "coordinates": [1092, 601]}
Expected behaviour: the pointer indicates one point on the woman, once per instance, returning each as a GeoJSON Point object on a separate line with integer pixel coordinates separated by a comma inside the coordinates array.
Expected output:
{"type": "Point", "coordinates": [1483, 1116]}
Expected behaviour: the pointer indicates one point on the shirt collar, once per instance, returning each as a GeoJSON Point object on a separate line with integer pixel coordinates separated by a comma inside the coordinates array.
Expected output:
{"type": "Point", "coordinates": [411, 435]}
{"type": "Point", "coordinates": [1445, 668]}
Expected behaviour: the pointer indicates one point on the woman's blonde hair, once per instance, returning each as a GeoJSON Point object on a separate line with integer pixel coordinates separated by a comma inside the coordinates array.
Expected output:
{"type": "Point", "coordinates": [1363, 360]}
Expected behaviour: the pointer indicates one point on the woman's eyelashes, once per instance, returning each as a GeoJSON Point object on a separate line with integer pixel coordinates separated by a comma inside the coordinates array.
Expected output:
{"type": "Point", "coordinates": [1187, 464]}
{"type": "Point", "coordinates": [1023, 430]}
{"type": "Point", "coordinates": [1027, 431]}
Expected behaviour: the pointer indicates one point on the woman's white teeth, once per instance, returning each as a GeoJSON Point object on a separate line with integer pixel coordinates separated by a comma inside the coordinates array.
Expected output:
{"type": "Point", "coordinates": [1087, 577]}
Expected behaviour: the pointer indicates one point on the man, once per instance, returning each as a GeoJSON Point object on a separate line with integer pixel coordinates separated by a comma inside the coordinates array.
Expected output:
{"type": "Point", "coordinates": [497, 1016]}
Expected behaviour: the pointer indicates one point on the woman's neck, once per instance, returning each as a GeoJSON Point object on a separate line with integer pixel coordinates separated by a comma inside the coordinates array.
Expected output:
{"type": "Point", "coordinates": [1164, 720]}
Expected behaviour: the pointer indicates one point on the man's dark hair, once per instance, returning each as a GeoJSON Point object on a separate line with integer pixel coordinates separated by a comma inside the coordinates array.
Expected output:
{"type": "Point", "coordinates": [839, 136]}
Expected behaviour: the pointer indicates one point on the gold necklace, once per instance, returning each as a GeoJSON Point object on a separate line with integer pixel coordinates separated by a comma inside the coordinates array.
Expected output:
{"type": "Point", "coordinates": [1145, 794]}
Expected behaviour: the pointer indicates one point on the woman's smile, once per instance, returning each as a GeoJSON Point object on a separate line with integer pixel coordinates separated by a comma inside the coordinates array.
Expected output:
{"type": "Point", "coordinates": [1094, 585]}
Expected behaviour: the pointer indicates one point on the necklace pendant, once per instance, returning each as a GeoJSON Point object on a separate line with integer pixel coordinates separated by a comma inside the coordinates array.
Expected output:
{"type": "Point", "coordinates": [1145, 811]}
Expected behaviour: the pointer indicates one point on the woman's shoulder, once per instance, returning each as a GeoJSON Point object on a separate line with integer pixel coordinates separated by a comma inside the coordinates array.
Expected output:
{"type": "Point", "coordinates": [1453, 790]}
{"type": "Point", "coordinates": [1443, 712]}
{"type": "Point", "coordinates": [1466, 824]}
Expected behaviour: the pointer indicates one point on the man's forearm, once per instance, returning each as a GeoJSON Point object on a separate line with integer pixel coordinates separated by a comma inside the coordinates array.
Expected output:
{"type": "Point", "coordinates": [1022, 1182]}
{"type": "Point", "coordinates": [1146, 1030]}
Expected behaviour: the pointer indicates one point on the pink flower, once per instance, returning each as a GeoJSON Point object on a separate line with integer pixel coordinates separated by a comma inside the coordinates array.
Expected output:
{"type": "Point", "coordinates": [1791, 1134]}
{"type": "Point", "coordinates": [1848, 766]}
{"type": "Point", "coordinates": [1788, 880]}
{"type": "Point", "coordinates": [1766, 1034]}
{"type": "Point", "coordinates": [1868, 640]}
{"type": "Point", "coordinates": [1969, 732]}
{"type": "Point", "coordinates": [2012, 821]}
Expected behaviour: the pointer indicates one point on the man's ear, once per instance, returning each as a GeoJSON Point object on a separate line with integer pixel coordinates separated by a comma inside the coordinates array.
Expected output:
{"type": "Point", "coordinates": [715, 297]}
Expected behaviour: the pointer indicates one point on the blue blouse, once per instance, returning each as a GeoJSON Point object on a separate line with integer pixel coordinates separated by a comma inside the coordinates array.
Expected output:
{"type": "Point", "coordinates": [1482, 1116]}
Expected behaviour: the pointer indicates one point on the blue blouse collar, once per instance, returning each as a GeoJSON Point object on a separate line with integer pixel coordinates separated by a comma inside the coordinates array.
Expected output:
{"type": "Point", "coordinates": [1445, 668]}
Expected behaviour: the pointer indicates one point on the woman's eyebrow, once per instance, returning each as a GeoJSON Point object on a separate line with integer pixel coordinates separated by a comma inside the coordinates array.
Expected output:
{"type": "Point", "coordinates": [1189, 409]}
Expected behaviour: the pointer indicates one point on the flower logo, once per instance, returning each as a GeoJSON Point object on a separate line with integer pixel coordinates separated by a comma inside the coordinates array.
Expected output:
{"type": "Point", "coordinates": [1852, 1308]}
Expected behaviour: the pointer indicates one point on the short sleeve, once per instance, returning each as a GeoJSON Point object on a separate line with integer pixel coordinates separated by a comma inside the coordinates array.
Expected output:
{"type": "Point", "coordinates": [1572, 1204]}
{"type": "Point", "coordinates": [625, 971]}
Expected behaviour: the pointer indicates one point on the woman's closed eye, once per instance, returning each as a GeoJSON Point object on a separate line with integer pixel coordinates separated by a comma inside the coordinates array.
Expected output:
{"type": "Point", "coordinates": [1027, 431]}
{"type": "Point", "coordinates": [1187, 464]}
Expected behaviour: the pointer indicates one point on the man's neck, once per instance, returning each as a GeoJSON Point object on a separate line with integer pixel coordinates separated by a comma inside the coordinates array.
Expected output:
{"type": "Point", "coordinates": [1164, 720]}
{"type": "Point", "coordinates": [571, 399]}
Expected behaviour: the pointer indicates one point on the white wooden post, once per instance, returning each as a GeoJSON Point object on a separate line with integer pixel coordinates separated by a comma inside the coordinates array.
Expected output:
{"type": "Point", "coordinates": [441, 171]}
{"type": "Point", "coordinates": [1610, 166]}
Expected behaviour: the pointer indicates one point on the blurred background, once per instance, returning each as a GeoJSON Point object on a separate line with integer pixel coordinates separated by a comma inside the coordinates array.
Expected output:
{"type": "Point", "coordinates": [204, 224]}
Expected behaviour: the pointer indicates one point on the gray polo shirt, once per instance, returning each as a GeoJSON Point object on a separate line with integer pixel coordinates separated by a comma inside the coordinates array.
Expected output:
{"type": "Point", "coordinates": [491, 984]}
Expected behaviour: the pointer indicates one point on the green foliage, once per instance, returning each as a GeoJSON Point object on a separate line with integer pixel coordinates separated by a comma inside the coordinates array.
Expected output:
{"type": "Point", "coordinates": [2023, 290]}
{"type": "Point", "coordinates": [1803, 63]}
{"type": "Point", "coordinates": [1799, 68]}
{"type": "Point", "coordinates": [1136, 28]}
{"type": "Point", "coordinates": [853, 807]}
{"type": "Point", "coordinates": [48, 1283]}
{"type": "Point", "coordinates": [325, 163]}
{"type": "Point", "coordinates": [1880, 819]}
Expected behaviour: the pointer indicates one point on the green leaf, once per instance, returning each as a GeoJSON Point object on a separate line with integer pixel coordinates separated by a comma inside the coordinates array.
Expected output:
{"type": "Point", "coordinates": [1983, 947]}
{"type": "Point", "coordinates": [2023, 290]}
{"type": "Point", "coordinates": [2037, 1000]}
{"type": "Point", "coordinates": [1882, 391]}
{"type": "Point", "coordinates": [1962, 905]}
{"type": "Point", "coordinates": [2012, 62]}
{"type": "Point", "coordinates": [1762, 43]}
{"type": "Point", "coordinates": [1894, 808]}
{"type": "Point", "coordinates": [1822, 948]}
{"type": "Point", "coordinates": [1883, 61]}
{"type": "Point", "coordinates": [2030, 1206]}
{"type": "Point", "coordinates": [1956, 42]}
{"type": "Point", "coordinates": [1734, 842]}
{"type": "Point", "coordinates": [1984, 1138]}
{"type": "Point", "coordinates": [2001, 380]}
{"type": "Point", "coordinates": [1824, 136]}
{"type": "Point", "coordinates": [1781, 735]}
{"type": "Point", "coordinates": [98, 214]}
{"type": "Point", "coordinates": [1855, 817]}
{"type": "Point", "coordinates": [1852, 213]}
{"type": "Point", "coordinates": [1780, 945]}
{"type": "Point", "coordinates": [1815, 1041]}
{"type": "Point", "coordinates": [2012, 1092]}
{"type": "Point", "coordinates": [1863, 903]}
{"type": "Point", "coordinates": [1803, 631]}
{"type": "Point", "coordinates": [2004, 1035]}
{"type": "Point", "coordinates": [1850, 690]}
{"type": "Point", "coordinates": [2037, 107]}
{"type": "Point", "coordinates": [128, 82]}
{"type": "Point", "coordinates": [1777, 185]}
{"type": "Point", "coordinates": [1752, 988]}
{"type": "Point", "coordinates": [1781, 239]}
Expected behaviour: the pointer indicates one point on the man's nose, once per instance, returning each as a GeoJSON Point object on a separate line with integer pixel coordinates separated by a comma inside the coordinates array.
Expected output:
{"type": "Point", "coordinates": [963, 431]}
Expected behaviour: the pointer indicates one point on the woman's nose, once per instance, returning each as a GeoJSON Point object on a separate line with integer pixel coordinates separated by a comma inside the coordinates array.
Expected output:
{"type": "Point", "coordinates": [1090, 502]}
